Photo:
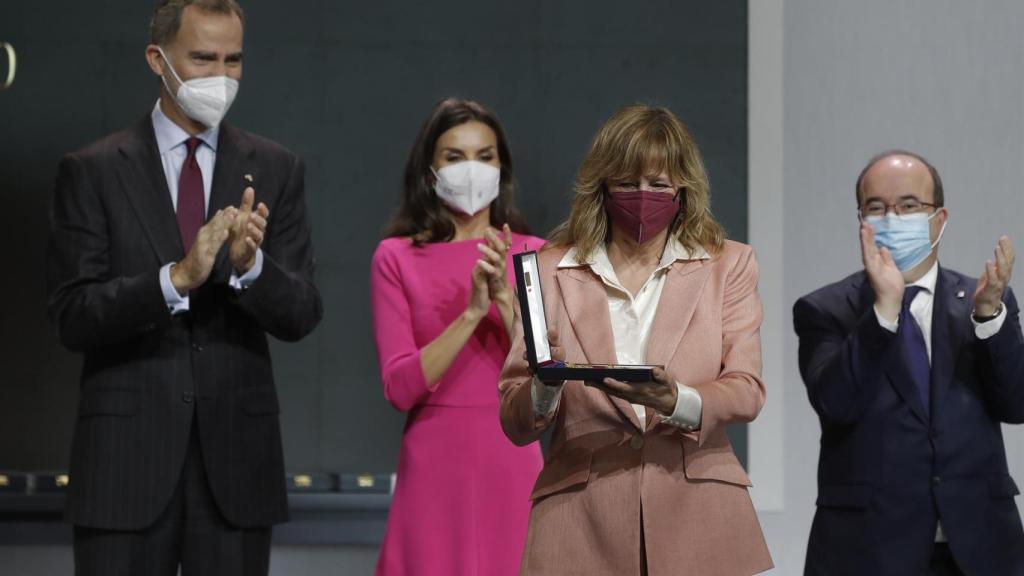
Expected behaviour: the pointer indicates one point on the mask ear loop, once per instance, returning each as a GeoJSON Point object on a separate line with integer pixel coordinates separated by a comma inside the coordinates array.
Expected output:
{"type": "Point", "coordinates": [433, 179]}
{"type": "Point", "coordinates": [173, 93]}
{"type": "Point", "coordinates": [605, 194]}
{"type": "Point", "coordinates": [679, 199]}
{"type": "Point", "coordinates": [933, 244]}
{"type": "Point", "coordinates": [941, 232]}
{"type": "Point", "coordinates": [171, 66]}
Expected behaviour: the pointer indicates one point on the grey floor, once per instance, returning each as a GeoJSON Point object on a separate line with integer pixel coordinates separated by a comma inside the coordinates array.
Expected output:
{"type": "Point", "coordinates": [284, 560]}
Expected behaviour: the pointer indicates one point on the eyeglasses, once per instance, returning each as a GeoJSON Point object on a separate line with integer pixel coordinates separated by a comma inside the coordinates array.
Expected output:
{"type": "Point", "coordinates": [902, 208]}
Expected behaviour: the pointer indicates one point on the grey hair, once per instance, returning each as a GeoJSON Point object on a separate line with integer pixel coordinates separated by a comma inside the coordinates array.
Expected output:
{"type": "Point", "coordinates": [166, 21]}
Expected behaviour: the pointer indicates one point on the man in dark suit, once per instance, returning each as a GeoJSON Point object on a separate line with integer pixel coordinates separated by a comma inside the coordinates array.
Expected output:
{"type": "Point", "coordinates": [912, 368]}
{"type": "Point", "coordinates": [167, 275]}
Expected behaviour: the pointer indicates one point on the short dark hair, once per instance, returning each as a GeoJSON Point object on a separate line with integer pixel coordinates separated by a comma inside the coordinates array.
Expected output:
{"type": "Point", "coordinates": [938, 197]}
{"type": "Point", "coordinates": [166, 21]}
{"type": "Point", "coordinates": [422, 214]}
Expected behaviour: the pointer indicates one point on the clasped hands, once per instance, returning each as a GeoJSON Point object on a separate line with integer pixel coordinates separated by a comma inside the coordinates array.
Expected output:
{"type": "Point", "coordinates": [490, 276]}
{"type": "Point", "coordinates": [242, 228]}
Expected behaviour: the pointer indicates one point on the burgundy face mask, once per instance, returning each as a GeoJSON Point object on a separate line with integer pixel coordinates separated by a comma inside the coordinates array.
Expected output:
{"type": "Point", "coordinates": [641, 214]}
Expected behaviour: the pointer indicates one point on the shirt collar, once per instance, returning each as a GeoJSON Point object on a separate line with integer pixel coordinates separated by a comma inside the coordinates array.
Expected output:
{"type": "Point", "coordinates": [929, 279]}
{"type": "Point", "coordinates": [674, 251]}
{"type": "Point", "coordinates": [169, 135]}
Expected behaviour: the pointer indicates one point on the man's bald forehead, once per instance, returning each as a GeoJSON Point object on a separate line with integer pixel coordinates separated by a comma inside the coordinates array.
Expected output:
{"type": "Point", "coordinates": [912, 160]}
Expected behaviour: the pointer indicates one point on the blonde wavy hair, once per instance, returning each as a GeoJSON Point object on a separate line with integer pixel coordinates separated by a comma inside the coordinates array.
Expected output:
{"type": "Point", "coordinates": [640, 141]}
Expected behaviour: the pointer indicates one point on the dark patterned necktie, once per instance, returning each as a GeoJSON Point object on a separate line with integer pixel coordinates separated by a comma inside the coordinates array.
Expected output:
{"type": "Point", "coordinates": [915, 352]}
{"type": "Point", "coordinates": [191, 200]}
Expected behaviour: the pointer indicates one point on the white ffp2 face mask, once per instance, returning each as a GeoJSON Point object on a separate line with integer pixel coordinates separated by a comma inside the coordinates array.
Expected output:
{"type": "Point", "coordinates": [468, 186]}
{"type": "Point", "coordinates": [205, 100]}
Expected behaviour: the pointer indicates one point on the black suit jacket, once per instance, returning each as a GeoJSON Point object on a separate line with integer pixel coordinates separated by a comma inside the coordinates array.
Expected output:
{"type": "Point", "coordinates": [146, 373]}
{"type": "Point", "coordinates": [889, 470]}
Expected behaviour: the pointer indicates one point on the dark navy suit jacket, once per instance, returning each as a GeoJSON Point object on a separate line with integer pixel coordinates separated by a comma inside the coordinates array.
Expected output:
{"type": "Point", "coordinates": [147, 375]}
{"type": "Point", "coordinates": [888, 469]}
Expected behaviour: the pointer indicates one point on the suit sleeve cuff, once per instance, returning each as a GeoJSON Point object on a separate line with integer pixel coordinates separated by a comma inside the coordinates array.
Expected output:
{"type": "Point", "coordinates": [242, 282]}
{"type": "Point", "coordinates": [545, 398]}
{"type": "Point", "coordinates": [890, 326]}
{"type": "Point", "coordinates": [176, 303]}
{"type": "Point", "coordinates": [689, 407]}
{"type": "Point", "coordinates": [986, 330]}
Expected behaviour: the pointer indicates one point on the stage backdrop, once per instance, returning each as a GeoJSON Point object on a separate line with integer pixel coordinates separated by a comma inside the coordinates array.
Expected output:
{"type": "Point", "coordinates": [346, 85]}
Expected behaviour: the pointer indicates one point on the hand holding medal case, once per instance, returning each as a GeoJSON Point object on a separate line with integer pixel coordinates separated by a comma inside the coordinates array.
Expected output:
{"type": "Point", "coordinates": [535, 334]}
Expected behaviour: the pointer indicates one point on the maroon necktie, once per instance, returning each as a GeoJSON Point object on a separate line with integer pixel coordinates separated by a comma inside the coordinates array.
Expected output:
{"type": "Point", "coordinates": [191, 201]}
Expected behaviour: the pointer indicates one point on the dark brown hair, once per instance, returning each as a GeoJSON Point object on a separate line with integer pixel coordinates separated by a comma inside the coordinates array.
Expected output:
{"type": "Point", "coordinates": [422, 215]}
{"type": "Point", "coordinates": [938, 197]}
{"type": "Point", "coordinates": [166, 21]}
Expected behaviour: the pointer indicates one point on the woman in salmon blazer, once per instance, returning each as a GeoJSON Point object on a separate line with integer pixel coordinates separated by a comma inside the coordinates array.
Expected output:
{"type": "Point", "coordinates": [641, 478]}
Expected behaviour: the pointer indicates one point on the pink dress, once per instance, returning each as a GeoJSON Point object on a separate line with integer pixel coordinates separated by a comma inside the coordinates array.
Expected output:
{"type": "Point", "coordinates": [461, 504]}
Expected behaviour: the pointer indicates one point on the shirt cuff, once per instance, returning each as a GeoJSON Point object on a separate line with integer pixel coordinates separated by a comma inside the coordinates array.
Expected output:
{"type": "Point", "coordinates": [176, 303]}
{"type": "Point", "coordinates": [242, 282]}
{"type": "Point", "coordinates": [986, 330]}
{"type": "Point", "coordinates": [890, 326]}
{"type": "Point", "coordinates": [545, 398]}
{"type": "Point", "coordinates": [689, 407]}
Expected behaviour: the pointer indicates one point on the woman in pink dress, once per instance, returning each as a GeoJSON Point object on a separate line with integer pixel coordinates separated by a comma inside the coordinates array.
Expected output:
{"type": "Point", "coordinates": [443, 312]}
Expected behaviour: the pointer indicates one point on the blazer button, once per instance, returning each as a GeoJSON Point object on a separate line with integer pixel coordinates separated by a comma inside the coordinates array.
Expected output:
{"type": "Point", "coordinates": [936, 480]}
{"type": "Point", "coordinates": [187, 396]}
{"type": "Point", "coordinates": [197, 347]}
{"type": "Point", "coordinates": [636, 442]}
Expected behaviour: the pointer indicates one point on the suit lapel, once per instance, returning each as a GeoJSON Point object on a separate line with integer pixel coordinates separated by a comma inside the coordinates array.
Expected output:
{"type": "Point", "coordinates": [679, 298]}
{"type": "Point", "coordinates": [862, 299]}
{"type": "Point", "coordinates": [233, 152]}
{"type": "Point", "coordinates": [144, 183]}
{"type": "Point", "coordinates": [233, 159]}
{"type": "Point", "coordinates": [950, 325]}
{"type": "Point", "coordinates": [586, 302]}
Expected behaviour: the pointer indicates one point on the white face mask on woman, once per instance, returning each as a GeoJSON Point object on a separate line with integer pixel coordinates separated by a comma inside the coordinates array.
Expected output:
{"type": "Point", "coordinates": [468, 186]}
{"type": "Point", "coordinates": [205, 100]}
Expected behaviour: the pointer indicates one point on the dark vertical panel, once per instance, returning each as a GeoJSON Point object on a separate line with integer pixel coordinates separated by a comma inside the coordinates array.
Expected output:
{"type": "Point", "coordinates": [346, 85]}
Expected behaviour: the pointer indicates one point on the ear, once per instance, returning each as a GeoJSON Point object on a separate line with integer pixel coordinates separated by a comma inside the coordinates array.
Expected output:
{"type": "Point", "coordinates": [155, 60]}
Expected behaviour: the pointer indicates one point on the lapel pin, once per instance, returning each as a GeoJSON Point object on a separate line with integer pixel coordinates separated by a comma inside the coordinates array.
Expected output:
{"type": "Point", "coordinates": [248, 177]}
{"type": "Point", "coordinates": [960, 294]}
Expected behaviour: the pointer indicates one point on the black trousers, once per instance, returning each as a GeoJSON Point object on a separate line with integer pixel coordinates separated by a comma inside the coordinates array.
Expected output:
{"type": "Point", "coordinates": [943, 563]}
{"type": "Point", "coordinates": [190, 532]}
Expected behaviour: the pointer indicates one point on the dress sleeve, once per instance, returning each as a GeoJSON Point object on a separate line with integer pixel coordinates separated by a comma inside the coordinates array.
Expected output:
{"type": "Point", "coordinates": [405, 386]}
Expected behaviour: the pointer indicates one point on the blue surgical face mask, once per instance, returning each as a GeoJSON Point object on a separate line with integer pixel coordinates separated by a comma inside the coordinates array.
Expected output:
{"type": "Point", "coordinates": [908, 237]}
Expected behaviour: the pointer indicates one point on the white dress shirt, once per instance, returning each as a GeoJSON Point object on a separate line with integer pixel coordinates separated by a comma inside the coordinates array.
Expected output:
{"type": "Point", "coordinates": [631, 318]}
{"type": "Point", "coordinates": [170, 141]}
{"type": "Point", "coordinates": [921, 310]}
